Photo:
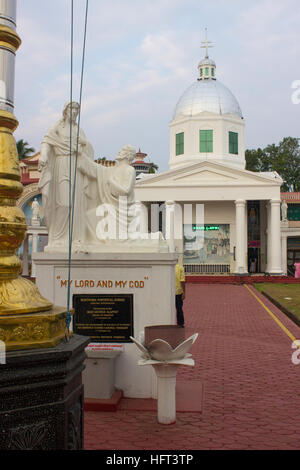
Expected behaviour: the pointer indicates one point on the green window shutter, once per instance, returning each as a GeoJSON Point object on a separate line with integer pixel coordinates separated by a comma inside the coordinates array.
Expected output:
{"type": "Point", "coordinates": [233, 143]}
{"type": "Point", "coordinates": [180, 143]}
{"type": "Point", "coordinates": [293, 212]}
{"type": "Point", "coordinates": [206, 141]}
{"type": "Point", "coordinates": [201, 72]}
{"type": "Point", "coordinates": [212, 72]}
{"type": "Point", "coordinates": [206, 71]}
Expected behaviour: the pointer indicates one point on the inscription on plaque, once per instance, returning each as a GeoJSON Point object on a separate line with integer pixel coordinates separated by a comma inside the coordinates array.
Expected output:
{"type": "Point", "coordinates": [104, 318]}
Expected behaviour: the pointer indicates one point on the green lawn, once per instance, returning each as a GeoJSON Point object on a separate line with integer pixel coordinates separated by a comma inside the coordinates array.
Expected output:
{"type": "Point", "coordinates": [288, 295]}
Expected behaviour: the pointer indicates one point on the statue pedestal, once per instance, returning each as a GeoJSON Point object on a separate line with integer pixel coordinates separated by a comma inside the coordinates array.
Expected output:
{"type": "Point", "coordinates": [41, 398]}
{"type": "Point", "coordinates": [149, 277]}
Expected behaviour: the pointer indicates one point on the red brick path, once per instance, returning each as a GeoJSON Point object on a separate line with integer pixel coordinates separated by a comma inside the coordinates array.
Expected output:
{"type": "Point", "coordinates": [251, 394]}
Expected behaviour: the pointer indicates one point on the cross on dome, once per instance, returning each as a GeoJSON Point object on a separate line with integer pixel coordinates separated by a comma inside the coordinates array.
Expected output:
{"type": "Point", "coordinates": [206, 44]}
{"type": "Point", "coordinates": [207, 67]}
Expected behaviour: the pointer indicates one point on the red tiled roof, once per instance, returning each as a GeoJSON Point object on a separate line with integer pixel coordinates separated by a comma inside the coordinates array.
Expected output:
{"type": "Point", "coordinates": [290, 197]}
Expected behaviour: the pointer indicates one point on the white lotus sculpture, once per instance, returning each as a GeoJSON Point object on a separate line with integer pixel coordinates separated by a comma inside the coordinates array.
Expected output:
{"type": "Point", "coordinates": [165, 361]}
{"type": "Point", "coordinates": [159, 351]}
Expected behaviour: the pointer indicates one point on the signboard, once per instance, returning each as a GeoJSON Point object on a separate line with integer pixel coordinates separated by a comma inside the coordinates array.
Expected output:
{"type": "Point", "coordinates": [105, 318]}
{"type": "Point", "coordinates": [206, 228]}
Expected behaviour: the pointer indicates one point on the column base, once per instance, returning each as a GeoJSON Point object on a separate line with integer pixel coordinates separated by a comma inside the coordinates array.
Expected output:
{"type": "Point", "coordinates": [275, 273]}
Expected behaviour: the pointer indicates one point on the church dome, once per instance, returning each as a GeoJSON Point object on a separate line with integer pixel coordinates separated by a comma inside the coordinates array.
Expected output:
{"type": "Point", "coordinates": [207, 95]}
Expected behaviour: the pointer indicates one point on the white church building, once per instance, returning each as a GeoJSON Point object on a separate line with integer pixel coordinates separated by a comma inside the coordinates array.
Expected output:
{"type": "Point", "coordinates": [241, 224]}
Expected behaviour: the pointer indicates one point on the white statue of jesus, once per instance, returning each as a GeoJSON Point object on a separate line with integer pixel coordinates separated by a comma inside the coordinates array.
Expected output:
{"type": "Point", "coordinates": [54, 163]}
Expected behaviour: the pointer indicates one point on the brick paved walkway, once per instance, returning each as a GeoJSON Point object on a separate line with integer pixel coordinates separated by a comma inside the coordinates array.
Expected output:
{"type": "Point", "coordinates": [251, 394]}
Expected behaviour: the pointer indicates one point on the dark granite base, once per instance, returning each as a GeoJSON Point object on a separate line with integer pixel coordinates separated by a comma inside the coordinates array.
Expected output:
{"type": "Point", "coordinates": [41, 398]}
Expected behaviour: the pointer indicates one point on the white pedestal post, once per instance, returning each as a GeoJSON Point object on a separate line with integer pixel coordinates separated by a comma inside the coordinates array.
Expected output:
{"type": "Point", "coordinates": [166, 392]}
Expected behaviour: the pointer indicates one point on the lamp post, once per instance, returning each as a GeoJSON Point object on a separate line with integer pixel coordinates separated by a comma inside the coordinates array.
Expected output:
{"type": "Point", "coordinates": [21, 304]}
{"type": "Point", "coordinates": [41, 391]}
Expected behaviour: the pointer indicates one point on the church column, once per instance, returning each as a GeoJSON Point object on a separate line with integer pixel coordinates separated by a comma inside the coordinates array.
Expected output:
{"type": "Point", "coordinates": [284, 253]}
{"type": "Point", "coordinates": [274, 245]}
{"type": "Point", "coordinates": [170, 219]}
{"type": "Point", "coordinates": [268, 235]}
{"type": "Point", "coordinates": [241, 225]}
{"type": "Point", "coordinates": [141, 212]}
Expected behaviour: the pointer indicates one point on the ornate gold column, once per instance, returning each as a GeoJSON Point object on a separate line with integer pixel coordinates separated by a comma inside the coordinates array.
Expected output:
{"type": "Point", "coordinates": [27, 320]}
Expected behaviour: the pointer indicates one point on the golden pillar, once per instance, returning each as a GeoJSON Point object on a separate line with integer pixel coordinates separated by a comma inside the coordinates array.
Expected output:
{"type": "Point", "coordinates": [27, 320]}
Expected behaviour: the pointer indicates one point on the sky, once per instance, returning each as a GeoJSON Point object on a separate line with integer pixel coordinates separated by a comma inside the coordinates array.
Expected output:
{"type": "Point", "coordinates": [141, 55]}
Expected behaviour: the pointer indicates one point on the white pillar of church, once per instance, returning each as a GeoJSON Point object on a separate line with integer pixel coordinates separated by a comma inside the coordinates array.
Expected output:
{"type": "Point", "coordinates": [34, 250]}
{"type": "Point", "coordinates": [170, 223]}
{"type": "Point", "coordinates": [142, 213]}
{"type": "Point", "coordinates": [241, 230]}
{"type": "Point", "coordinates": [269, 241]}
{"type": "Point", "coordinates": [274, 254]}
{"type": "Point", "coordinates": [284, 253]}
{"type": "Point", "coordinates": [246, 236]}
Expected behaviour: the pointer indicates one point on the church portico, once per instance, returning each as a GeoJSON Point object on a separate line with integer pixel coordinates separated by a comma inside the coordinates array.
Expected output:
{"type": "Point", "coordinates": [238, 215]}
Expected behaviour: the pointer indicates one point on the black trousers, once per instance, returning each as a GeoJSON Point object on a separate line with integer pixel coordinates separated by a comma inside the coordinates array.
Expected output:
{"type": "Point", "coordinates": [179, 311]}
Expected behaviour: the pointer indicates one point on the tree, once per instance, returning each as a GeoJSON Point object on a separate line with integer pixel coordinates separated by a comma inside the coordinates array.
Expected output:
{"type": "Point", "coordinates": [153, 168]}
{"type": "Point", "coordinates": [255, 160]}
{"type": "Point", "coordinates": [23, 150]}
{"type": "Point", "coordinates": [283, 158]}
{"type": "Point", "coordinates": [288, 163]}
{"type": "Point", "coordinates": [100, 160]}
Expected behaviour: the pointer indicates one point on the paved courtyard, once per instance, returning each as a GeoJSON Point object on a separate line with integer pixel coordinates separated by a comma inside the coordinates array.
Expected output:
{"type": "Point", "coordinates": [251, 388]}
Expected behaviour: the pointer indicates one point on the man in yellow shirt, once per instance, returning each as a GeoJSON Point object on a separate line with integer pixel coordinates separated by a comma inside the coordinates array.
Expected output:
{"type": "Point", "coordinates": [180, 293]}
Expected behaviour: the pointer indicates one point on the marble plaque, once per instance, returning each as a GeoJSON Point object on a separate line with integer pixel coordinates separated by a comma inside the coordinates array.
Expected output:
{"type": "Point", "coordinates": [105, 318]}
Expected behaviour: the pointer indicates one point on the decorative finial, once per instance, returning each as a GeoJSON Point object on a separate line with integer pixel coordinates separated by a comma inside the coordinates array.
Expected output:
{"type": "Point", "coordinates": [206, 44]}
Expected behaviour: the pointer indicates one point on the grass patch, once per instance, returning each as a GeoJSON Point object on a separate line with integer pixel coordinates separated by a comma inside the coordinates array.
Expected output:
{"type": "Point", "coordinates": [287, 295]}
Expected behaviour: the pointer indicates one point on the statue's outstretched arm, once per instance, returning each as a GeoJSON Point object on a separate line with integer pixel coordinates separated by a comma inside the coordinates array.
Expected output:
{"type": "Point", "coordinates": [87, 167]}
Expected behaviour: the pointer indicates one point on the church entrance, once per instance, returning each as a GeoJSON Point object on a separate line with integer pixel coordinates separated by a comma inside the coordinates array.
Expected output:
{"type": "Point", "coordinates": [293, 254]}
{"type": "Point", "coordinates": [254, 244]}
